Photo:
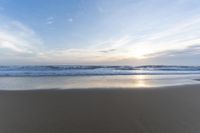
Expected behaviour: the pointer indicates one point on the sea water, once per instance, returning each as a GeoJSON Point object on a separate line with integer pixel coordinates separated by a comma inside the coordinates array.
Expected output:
{"type": "Point", "coordinates": [88, 77]}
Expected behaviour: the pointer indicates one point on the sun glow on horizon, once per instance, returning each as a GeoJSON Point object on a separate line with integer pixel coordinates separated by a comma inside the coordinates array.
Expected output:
{"type": "Point", "coordinates": [140, 53]}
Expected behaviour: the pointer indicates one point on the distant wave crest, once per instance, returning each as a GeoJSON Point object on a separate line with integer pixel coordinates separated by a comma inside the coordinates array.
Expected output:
{"type": "Point", "coordinates": [75, 70]}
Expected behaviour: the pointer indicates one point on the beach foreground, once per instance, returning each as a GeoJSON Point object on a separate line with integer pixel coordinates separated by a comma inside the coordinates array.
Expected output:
{"type": "Point", "coordinates": [160, 110]}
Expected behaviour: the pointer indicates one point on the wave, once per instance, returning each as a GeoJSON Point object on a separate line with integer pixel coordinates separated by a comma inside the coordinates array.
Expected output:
{"type": "Point", "coordinates": [73, 70]}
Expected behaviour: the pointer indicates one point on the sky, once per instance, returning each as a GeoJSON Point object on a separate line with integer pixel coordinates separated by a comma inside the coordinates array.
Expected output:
{"type": "Point", "coordinates": [100, 32]}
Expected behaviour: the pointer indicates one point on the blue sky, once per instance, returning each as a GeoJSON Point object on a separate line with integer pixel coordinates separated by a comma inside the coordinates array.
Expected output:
{"type": "Point", "coordinates": [113, 32]}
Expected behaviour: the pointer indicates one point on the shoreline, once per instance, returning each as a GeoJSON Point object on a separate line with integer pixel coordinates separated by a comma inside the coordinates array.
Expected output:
{"type": "Point", "coordinates": [99, 89]}
{"type": "Point", "coordinates": [167, 110]}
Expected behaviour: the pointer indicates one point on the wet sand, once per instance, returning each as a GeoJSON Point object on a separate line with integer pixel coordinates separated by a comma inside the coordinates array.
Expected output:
{"type": "Point", "coordinates": [159, 110]}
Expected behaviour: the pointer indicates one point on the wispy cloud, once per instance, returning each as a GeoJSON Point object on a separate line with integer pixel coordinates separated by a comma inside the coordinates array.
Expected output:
{"type": "Point", "coordinates": [16, 39]}
{"type": "Point", "coordinates": [107, 51]}
{"type": "Point", "coordinates": [191, 50]}
{"type": "Point", "coordinates": [180, 38]}
{"type": "Point", "coordinates": [50, 20]}
{"type": "Point", "coordinates": [175, 37]}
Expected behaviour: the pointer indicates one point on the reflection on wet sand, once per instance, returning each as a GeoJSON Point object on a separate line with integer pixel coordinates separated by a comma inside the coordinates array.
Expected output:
{"type": "Point", "coordinates": [87, 82]}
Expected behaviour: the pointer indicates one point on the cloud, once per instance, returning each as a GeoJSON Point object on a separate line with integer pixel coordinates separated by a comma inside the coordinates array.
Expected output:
{"type": "Point", "coordinates": [191, 51]}
{"type": "Point", "coordinates": [50, 20]}
{"type": "Point", "coordinates": [19, 44]}
{"type": "Point", "coordinates": [107, 51]}
{"type": "Point", "coordinates": [62, 56]}
{"type": "Point", "coordinates": [16, 39]}
{"type": "Point", "coordinates": [184, 57]}
{"type": "Point", "coordinates": [177, 36]}
{"type": "Point", "coordinates": [113, 43]}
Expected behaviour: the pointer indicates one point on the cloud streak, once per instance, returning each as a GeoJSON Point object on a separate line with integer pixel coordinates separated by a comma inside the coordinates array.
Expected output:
{"type": "Point", "coordinates": [50, 20]}
{"type": "Point", "coordinates": [16, 39]}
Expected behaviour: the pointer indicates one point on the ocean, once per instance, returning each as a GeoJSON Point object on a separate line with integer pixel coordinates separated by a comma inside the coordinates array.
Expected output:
{"type": "Point", "coordinates": [87, 77]}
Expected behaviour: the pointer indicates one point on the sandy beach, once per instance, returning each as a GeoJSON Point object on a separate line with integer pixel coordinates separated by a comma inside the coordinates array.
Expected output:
{"type": "Point", "coordinates": [156, 110]}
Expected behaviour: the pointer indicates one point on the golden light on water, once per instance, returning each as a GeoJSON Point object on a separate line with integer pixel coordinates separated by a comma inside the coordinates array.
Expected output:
{"type": "Point", "coordinates": [140, 81]}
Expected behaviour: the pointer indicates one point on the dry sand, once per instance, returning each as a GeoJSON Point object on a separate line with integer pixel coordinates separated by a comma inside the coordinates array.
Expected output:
{"type": "Point", "coordinates": [161, 110]}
